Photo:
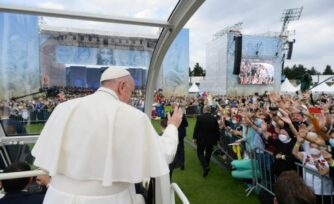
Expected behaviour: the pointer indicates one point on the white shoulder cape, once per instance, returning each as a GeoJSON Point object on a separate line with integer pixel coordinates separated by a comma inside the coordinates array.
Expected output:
{"type": "Point", "coordinates": [97, 137]}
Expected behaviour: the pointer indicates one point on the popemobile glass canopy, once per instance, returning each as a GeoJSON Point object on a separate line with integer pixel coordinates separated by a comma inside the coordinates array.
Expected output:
{"type": "Point", "coordinates": [52, 51]}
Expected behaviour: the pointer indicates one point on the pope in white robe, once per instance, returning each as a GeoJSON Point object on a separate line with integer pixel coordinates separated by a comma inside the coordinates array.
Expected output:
{"type": "Point", "coordinates": [96, 147]}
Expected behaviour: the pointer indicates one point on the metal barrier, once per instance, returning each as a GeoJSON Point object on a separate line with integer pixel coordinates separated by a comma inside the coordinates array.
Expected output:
{"type": "Point", "coordinates": [32, 116]}
{"type": "Point", "coordinates": [262, 168]}
{"type": "Point", "coordinates": [263, 177]}
{"type": "Point", "coordinates": [224, 146]}
{"type": "Point", "coordinates": [313, 179]}
{"type": "Point", "coordinates": [193, 110]}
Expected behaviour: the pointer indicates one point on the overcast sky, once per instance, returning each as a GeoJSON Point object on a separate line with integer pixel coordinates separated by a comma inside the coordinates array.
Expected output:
{"type": "Point", "coordinates": [314, 31]}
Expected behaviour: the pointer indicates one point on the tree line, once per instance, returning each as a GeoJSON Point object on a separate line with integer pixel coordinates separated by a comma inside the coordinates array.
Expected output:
{"type": "Point", "coordinates": [197, 71]}
{"type": "Point", "coordinates": [298, 71]}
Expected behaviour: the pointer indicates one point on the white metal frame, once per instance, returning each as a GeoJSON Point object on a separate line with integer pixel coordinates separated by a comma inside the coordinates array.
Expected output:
{"type": "Point", "coordinates": [82, 16]}
{"type": "Point", "coordinates": [180, 16]}
{"type": "Point", "coordinates": [22, 174]}
{"type": "Point", "coordinates": [176, 189]}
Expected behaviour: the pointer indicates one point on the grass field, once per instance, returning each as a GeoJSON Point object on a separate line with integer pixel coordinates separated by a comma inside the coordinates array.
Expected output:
{"type": "Point", "coordinates": [218, 188]}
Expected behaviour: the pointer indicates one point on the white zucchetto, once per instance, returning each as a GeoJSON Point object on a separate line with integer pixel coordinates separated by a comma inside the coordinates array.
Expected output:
{"type": "Point", "coordinates": [113, 73]}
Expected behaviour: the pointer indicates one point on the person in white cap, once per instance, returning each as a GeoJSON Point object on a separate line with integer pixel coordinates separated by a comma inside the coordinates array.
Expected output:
{"type": "Point", "coordinates": [96, 147]}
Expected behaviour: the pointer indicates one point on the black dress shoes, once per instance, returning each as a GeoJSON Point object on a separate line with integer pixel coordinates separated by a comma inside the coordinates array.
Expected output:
{"type": "Point", "coordinates": [206, 172]}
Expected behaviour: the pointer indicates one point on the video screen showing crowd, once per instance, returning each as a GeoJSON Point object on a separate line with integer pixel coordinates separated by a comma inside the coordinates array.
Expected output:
{"type": "Point", "coordinates": [256, 72]}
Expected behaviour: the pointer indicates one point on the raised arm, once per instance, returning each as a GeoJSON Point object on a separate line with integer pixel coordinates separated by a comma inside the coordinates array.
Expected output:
{"type": "Point", "coordinates": [300, 139]}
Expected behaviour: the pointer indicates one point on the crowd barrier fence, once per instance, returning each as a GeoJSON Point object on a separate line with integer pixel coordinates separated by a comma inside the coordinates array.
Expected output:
{"type": "Point", "coordinates": [229, 152]}
{"type": "Point", "coordinates": [312, 177]}
{"type": "Point", "coordinates": [259, 168]}
{"type": "Point", "coordinates": [262, 169]}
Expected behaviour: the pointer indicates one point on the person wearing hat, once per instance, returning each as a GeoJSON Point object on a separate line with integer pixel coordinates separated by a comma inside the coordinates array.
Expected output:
{"type": "Point", "coordinates": [97, 147]}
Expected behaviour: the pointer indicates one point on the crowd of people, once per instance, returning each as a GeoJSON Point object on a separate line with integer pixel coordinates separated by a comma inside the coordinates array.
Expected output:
{"type": "Point", "coordinates": [293, 129]}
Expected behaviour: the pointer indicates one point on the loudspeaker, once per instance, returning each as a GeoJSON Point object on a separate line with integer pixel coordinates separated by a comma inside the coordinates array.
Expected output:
{"type": "Point", "coordinates": [290, 50]}
{"type": "Point", "coordinates": [282, 68]}
{"type": "Point", "coordinates": [237, 54]}
{"type": "Point", "coordinates": [105, 42]}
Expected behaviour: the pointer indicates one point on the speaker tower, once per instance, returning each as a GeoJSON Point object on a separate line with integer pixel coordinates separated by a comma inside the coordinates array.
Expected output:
{"type": "Point", "coordinates": [237, 54]}
{"type": "Point", "coordinates": [290, 50]}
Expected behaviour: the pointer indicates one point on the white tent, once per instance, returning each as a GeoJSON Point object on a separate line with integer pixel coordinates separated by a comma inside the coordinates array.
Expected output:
{"type": "Point", "coordinates": [298, 87]}
{"type": "Point", "coordinates": [286, 86]}
{"type": "Point", "coordinates": [323, 88]}
{"type": "Point", "coordinates": [194, 89]}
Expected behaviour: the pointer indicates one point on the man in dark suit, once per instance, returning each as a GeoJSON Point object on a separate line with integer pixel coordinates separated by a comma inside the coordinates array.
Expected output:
{"type": "Point", "coordinates": [16, 190]}
{"type": "Point", "coordinates": [206, 134]}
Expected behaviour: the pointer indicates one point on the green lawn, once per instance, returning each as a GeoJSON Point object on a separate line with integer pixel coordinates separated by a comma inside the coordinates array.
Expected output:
{"type": "Point", "coordinates": [34, 128]}
{"type": "Point", "coordinates": [219, 187]}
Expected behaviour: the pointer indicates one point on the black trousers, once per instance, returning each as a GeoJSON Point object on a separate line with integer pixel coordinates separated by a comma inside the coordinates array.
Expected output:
{"type": "Point", "coordinates": [204, 155]}
{"type": "Point", "coordinates": [182, 157]}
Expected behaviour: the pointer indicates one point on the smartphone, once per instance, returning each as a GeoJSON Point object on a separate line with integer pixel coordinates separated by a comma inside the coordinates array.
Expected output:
{"type": "Point", "coordinates": [314, 110]}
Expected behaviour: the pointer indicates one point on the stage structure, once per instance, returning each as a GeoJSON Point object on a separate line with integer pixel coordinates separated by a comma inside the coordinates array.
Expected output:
{"type": "Point", "coordinates": [89, 76]}
{"type": "Point", "coordinates": [258, 70]}
{"type": "Point", "coordinates": [87, 49]}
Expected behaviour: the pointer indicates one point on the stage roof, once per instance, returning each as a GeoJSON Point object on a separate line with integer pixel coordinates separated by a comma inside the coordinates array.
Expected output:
{"type": "Point", "coordinates": [44, 28]}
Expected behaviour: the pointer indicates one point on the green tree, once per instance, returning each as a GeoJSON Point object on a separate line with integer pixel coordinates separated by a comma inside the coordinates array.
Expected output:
{"type": "Point", "coordinates": [306, 81]}
{"type": "Point", "coordinates": [328, 70]}
{"type": "Point", "coordinates": [296, 72]}
{"type": "Point", "coordinates": [287, 72]}
{"type": "Point", "coordinates": [198, 70]}
{"type": "Point", "coordinates": [312, 71]}
{"type": "Point", "coordinates": [191, 73]}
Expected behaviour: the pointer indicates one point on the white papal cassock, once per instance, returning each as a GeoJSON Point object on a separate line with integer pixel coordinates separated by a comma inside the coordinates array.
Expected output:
{"type": "Point", "coordinates": [96, 147]}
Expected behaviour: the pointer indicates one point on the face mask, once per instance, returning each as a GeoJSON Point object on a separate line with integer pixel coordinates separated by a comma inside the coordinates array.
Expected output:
{"type": "Point", "coordinates": [331, 142]}
{"type": "Point", "coordinates": [314, 151]}
{"type": "Point", "coordinates": [284, 138]}
{"type": "Point", "coordinates": [258, 122]}
{"type": "Point", "coordinates": [234, 121]}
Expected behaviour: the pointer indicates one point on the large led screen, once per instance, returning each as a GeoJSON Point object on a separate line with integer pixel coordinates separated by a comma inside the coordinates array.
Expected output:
{"type": "Point", "coordinates": [256, 71]}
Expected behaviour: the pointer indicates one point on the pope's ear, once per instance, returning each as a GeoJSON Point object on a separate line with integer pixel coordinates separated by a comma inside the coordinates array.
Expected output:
{"type": "Point", "coordinates": [119, 89]}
